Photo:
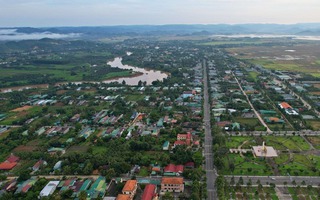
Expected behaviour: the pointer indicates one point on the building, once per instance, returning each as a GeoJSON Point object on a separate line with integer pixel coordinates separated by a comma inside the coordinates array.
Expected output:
{"type": "Point", "coordinates": [49, 188]}
{"type": "Point", "coordinates": [173, 170]}
{"type": "Point", "coordinates": [172, 184]}
{"type": "Point", "coordinates": [123, 197]}
{"type": "Point", "coordinates": [150, 192]}
{"type": "Point", "coordinates": [166, 145]}
{"type": "Point", "coordinates": [10, 163]}
{"type": "Point", "coordinates": [130, 188]}
{"type": "Point", "coordinates": [288, 109]}
{"type": "Point", "coordinates": [187, 138]}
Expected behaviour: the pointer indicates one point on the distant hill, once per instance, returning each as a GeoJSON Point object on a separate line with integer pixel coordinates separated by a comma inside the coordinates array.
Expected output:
{"type": "Point", "coordinates": [312, 29]}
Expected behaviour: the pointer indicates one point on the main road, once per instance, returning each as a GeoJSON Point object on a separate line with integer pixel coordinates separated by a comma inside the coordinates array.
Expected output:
{"type": "Point", "coordinates": [209, 168]}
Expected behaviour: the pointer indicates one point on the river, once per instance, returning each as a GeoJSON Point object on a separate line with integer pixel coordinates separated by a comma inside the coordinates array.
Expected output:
{"type": "Point", "coordinates": [147, 75]}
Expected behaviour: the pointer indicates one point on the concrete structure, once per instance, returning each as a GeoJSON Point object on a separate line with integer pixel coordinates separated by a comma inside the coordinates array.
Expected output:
{"type": "Point", "coordinates": [169, 184]}
{"type": "Point", "coordinates": [130, 188]}
{"type": "Point", "coordinates": [264, 151]}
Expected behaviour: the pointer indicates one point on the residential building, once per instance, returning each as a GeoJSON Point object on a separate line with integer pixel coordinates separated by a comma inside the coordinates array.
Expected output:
{"type": "Point", "coordinates": [173, 170]}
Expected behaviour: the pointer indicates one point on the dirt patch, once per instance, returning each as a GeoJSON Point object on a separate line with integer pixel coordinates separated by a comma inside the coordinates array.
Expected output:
{"type": "Point", "coordinates": [23, 148]}
{"type": "Point", "coordinates": [77, 149]}
{"type": "Point", "coordinates": [317, 85]}
{"type": "Point", "coordinates": [315, 93]}
{"type": "Point", "coordinates": [59, 104]}
{"type": "Point", "coordinates": [314, 140]}
{"type": "Point", "coordinates": [24, 108]}
{"type": "Point", "coordinates": [59, 92]}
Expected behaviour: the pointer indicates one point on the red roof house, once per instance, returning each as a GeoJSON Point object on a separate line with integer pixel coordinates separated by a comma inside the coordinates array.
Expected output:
{"type": "Point", "coordinates": [149, 192]}
{"type": "Point", "coordinates": [171, 168]}
{"type": "Point", "coordinates": [13, 159]}
{"type": "Point", "coordinates": [7, 165]}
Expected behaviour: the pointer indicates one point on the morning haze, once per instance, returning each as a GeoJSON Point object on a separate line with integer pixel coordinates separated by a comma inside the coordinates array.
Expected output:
{"type": "Point", "coordinates": [39, 13]}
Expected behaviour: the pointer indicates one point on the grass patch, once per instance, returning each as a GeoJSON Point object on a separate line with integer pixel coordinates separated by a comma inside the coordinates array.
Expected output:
{"type": "Point", "coordinates": [254, 75]}
{"type": "Point", "coordinates": [235, 141]}
{"type": "Point", "coordinates": [77, 149]}
{"type": "Point", "coordinates": [282, 158]}
{"type": "Point", "coordinates": [248, 121]}
{"type": "Point", "coordinates": [143, 172]}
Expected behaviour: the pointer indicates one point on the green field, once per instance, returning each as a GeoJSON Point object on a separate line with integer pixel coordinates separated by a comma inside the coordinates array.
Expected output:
{"type": "Point", "coordinates": [254, 75]}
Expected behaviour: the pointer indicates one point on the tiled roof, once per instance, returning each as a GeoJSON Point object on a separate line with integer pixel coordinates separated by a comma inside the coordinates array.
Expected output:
{"type": "Point", "coordinates": [174, 180]}
{"type": "Point", "coordinates": [123, 197]}
{"type": "Point", "coordinates": [7, 165]}
{"type": "Point", "coordinates": [285, 105]}
{"type": "Point", "coordinates": [12, 158]}
{"type": "Point", "coordinates": [148, 192]}
{"type": "Point", "coordinates": [130, 185]}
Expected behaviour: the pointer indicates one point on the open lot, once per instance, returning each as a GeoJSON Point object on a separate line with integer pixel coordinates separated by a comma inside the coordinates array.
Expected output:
{"type": "Point", "coordinates": [300, 57]}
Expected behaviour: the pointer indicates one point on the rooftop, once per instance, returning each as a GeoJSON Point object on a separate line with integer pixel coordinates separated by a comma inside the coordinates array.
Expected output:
{"type": "Point", "coordinates": [149, 192]}
{"type": "Point", "coordinates": [130, 185]}
{"type": "Point", "coordinates": [123, 197]}
{"type": "Point", "coordinates": [174, 180]}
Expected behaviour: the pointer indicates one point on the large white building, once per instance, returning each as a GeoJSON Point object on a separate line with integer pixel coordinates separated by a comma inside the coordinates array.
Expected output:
{"type": "Point", "coordinates": [49, 188]}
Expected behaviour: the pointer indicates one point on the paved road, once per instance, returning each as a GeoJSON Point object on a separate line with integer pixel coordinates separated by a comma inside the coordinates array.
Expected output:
{"type": "Point", "coordinates": [275, 133]}
{"type": "Point", "coordinates": [209, 168]}
{"type": "Point", "coordinates": [252, 107]}
{"type": "Point", "coordinates": [278, 180]}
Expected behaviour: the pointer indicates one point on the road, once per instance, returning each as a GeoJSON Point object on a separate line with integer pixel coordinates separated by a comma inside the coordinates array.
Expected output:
{"type": "Point", "coordinates": [275, 133]}
{"type": "Point", "coordinates": [209, 168]}
{"type": "Point", "coordinates": [252, 107]}
{"type": "Point", "coordinates": [278, 180]}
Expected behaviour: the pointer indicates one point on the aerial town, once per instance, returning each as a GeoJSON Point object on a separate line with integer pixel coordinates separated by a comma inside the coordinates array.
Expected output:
{"type": "Point", "coordinates": [158, 119]}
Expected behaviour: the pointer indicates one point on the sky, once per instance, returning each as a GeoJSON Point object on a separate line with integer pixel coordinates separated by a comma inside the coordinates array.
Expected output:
{"type": "Point", "coordinates": [46, 13]}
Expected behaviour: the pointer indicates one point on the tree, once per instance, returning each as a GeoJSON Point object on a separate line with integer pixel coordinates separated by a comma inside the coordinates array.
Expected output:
{"type": "Point", "coordinates": [168, 196]}
{"type": "Point", "coordinates": [110, 174]}
{"type": "Point", "coordinates": [83, 195]}
{"type": "Point", "coordinates": [24, 175]}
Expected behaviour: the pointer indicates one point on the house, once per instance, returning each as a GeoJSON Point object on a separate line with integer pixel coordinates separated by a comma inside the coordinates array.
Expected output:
{"type": "Point", "coordinates": [173, 170]}
{"type": "Point", "coordinates": [189, 165]}
{"type": "Point", "coordinates": [172, 184]}
{"type": "Point", "coordinates": [58, 165]}
{"type": "Point", "coordinates": [26, 185]}
{"type": "Point", "coordinates": [288, 109]}
{"type": "Point", "coordinates": [49, 188]}
{"type": "Point", "coordinates": [166, 145]}
{"type": "Point", "coordinates": [7, 165]}
{"type": "Point", "coordinates": [12, 159]}
{"type": "Point", "coordinates": [38, 164]}
{"type": "Point", "coordinates": [98, 188]}
{"type": "Point", "coordinates": [10, 163]}
{"type": "Point", "coordinates": [149, 192]}
{"type": "Point", "coordinates": [273, 120]}
{"type": "Point", "coordinates": [130, 188]}
{"type": "Point", "coordinates": [187, 138]}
